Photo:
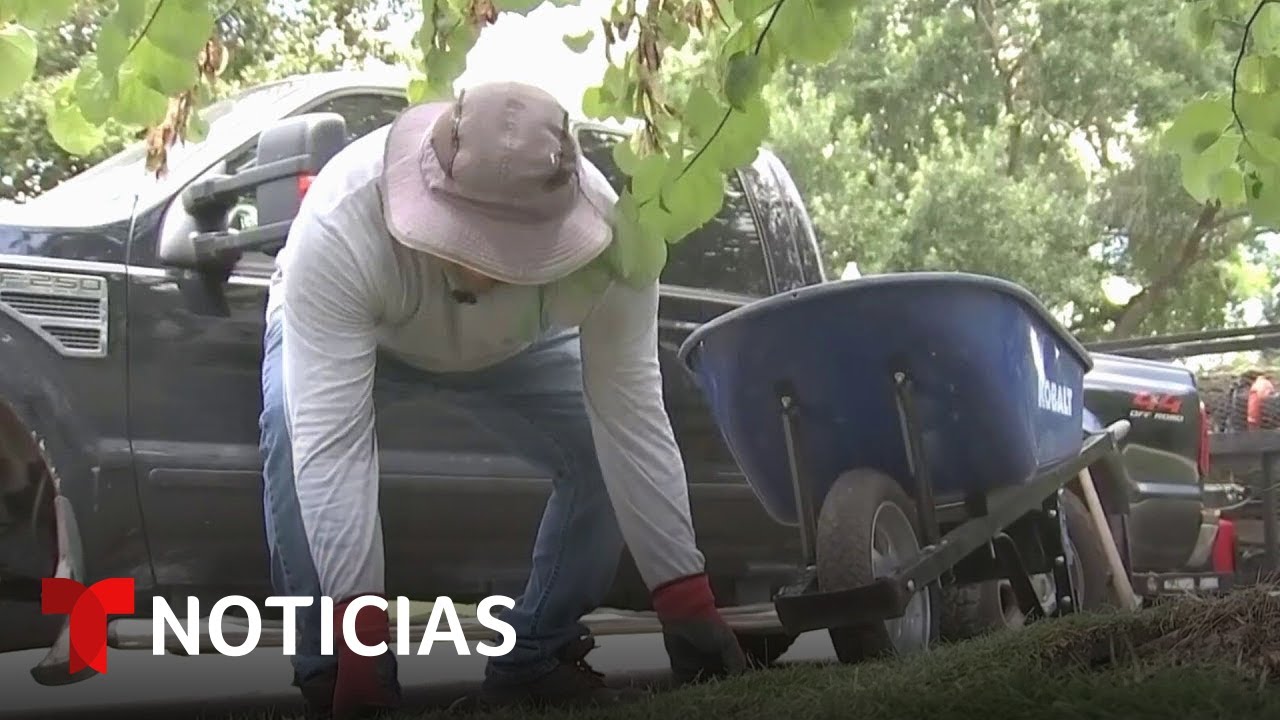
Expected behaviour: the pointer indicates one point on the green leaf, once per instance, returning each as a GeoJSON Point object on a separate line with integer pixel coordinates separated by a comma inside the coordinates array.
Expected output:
{"type": "Point", "coordinates": [17, 58]}
{"type": "Point", "coordinates": [113, 46]}
{"type": "Point", "coordinates": [130, 14]}
{"type": "Point", "coordinates": [614, 85]}
{"type": "Point", "coordinates": [1253, 77]}
{"type": "Point", "coordinates": [181, 27]}
{"type": "Point", "coordinates": [1199, 172]}
{"type": "Point", "coordinates": [593, 104]}
{"type": "Point", "coordinates": [692, 199]}
{"type": "Point", "coordinates": [1261, 149]}
{"type": "Point", "coordinates": [745, 10]}
{"type": "Point", "coordinates": [1198, 126]}
{"type": "Point", "coordinates": [739, 141]}
{"type": "Point", "coordinates": [637, 252]}
{"type": "Point", "coordinates": [1264, 201]}
{"type": "Point", "coordinates": [1259, 112]}
{"type": "Point", "coordinates": [1266, 30]}
{"type": "Point", "coordinates": [579, 43]}
{"type": "Point", "coordinates": [624, 156]}
{"type": "Point", "coordinates": [137, 103]}
{"type": "Point", "coordinates": [521, 7]}
{"type": "Point", "coordinates": [742, 79]}
{"type": "Point", "coordinates": [197, 128]}
{"type": "Point", "coordinates": [35, 14]}
{"type": "Point", "coordinates": [94, 92]}
{"type": "Point", "coordinates": [1196, 22]}
{"type": "Point", "coordinates": [807, 32]}
{"type": "Point", "coordinates": [703, 113]}
{"type": "Point", "coordinates": [416, 92]}
{"type": "Point", "coordinates": [647, 178]}
{"type": "Point", "coordinates": [165, 73]}
{"type": "Point", "coordinates": [1228, 186]}
{"type": "Point", "coordinates": [673, 29]}
{"type": "Point", "coordinates": [68, 127]}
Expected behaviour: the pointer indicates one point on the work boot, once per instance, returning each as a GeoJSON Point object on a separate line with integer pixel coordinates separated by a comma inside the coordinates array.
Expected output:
{"type": "Point", "coordinates": [571, 683]}
{"type": "Point", "coordinates": [365, 687]}
{"type": "Point", "coordinates": [317, 695]}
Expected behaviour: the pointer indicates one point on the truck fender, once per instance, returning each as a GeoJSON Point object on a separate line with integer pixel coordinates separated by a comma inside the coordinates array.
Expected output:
{"type": "Point", "coordinates": [41, 426]}
{"type": "Point", "coordinates": [34, 391]}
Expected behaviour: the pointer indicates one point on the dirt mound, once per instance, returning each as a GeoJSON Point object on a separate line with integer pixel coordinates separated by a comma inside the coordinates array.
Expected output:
{"type": "Point", "coordinates": [1241, 629]}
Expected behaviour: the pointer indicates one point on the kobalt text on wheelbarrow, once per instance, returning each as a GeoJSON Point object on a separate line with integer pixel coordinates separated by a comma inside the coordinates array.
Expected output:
{"type": "Point", "coordinates": [922, 431]}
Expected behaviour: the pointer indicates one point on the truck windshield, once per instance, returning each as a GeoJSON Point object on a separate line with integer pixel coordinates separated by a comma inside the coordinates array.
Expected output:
{"type": "Point", "coordinates": [113, 183]}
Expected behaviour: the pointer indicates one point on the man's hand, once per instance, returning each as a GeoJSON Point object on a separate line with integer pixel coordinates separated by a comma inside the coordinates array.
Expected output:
{"type": "Point", "coordinates": [699, 642]}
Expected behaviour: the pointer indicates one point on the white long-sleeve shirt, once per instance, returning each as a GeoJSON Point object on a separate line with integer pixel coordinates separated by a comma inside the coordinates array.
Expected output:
{"type": "Point", "coordinates": [347, 288]}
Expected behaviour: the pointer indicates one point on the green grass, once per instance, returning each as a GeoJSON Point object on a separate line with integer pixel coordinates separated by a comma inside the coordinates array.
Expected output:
{"type": "Point", "coordinates": [1184, 660]}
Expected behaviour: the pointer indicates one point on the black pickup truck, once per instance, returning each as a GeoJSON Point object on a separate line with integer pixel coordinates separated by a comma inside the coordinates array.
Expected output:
{"type": "Point", "coordinates": [130, 396]}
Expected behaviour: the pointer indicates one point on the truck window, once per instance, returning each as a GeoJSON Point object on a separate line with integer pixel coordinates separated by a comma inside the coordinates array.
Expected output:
{"type": "Point", "coordinates": [726, 254]}
{"type": "Point", "coordinates": [363, 113]}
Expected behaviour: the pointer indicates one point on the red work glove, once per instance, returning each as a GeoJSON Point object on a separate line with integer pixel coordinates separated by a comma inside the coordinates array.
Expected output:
{"type": "Point", "coordinates": [366, 686]}
{"type": "Point", "coordinates": [699, 642]}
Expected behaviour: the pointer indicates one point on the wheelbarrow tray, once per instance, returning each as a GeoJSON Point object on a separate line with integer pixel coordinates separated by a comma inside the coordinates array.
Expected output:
{"type": "Point", "coordinates": [997, 384]}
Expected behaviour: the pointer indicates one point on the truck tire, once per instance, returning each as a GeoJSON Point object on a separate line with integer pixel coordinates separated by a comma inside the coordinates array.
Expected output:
{"type": "Point", "coordinates": [867, 514]}
{"type": "Point", "coordinates": [1091, 574]}
{"type": "Point", "coordinates": [969, 610]}
{"type": "Point", "coordinates": [764, 648]}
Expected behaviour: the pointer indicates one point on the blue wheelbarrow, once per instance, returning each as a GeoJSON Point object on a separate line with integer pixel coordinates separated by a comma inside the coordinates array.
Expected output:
{"type": "Point", "coordinates": [919, 429]}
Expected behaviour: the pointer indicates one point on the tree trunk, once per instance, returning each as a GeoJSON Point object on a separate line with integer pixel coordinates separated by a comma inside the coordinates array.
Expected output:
{"type": "Point", "coordinates": [1141, 305]}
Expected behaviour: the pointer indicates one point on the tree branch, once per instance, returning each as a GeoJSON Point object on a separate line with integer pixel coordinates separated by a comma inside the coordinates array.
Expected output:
{"type": "Point", "coordinates": [145, 29]}
{"type": "Point", "coordinates": [1141, 305]}
{"type": "Point", "coordinates": [1235, 69]}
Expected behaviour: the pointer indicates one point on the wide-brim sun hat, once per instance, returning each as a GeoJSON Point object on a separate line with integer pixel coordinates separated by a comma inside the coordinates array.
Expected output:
{"type": "Point", "coordinates": [493, 181]}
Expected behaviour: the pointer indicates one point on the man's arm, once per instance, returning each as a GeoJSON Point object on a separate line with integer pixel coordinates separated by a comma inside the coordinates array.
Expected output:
{"type": "Point", "coordinates": [641, 463]}
{"type": "Point", "coordinates": [329, 353]}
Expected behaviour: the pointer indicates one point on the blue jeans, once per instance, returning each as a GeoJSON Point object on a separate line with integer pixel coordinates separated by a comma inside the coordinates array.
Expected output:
{"type": "Point", "coordinates": [534, 402]}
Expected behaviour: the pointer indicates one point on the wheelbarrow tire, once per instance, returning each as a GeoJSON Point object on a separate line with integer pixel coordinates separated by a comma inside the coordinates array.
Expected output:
{"type": "Point", "coordinates": [857, 501]}
{"type": "Point", "coordinates": [764, 648]}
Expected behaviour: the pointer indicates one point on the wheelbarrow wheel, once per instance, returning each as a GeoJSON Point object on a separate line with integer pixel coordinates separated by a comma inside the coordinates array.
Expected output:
{"type": "Point", "coordinates": [867, 528]}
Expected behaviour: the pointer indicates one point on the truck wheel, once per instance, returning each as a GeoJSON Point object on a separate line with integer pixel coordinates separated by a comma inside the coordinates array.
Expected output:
{"type": "Point", "coordinates": [973, 609]}
{"type": "Point", "coordinates": [764, 648]}
{"type": "Point", "coordinates": [969, 610]}
{"type": "Point", "coordinates": [867, 528]}
{"type": "Point", "coordinates": [1090, 572]}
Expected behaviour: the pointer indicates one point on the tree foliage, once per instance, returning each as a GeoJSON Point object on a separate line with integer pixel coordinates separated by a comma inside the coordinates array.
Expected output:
{"type": "Point", "coordinates": [1018, 139]}
{"type": "Point", "coordinates": [1228, 142]}
{"type": "Point", "coordinates": [155, 62]}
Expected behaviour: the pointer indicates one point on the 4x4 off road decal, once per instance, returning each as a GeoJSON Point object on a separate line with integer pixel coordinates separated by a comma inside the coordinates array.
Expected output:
{"type": "Point", "coordinates": [67, 310]}
{"type": "Point", "coordinates": [1156, 406]}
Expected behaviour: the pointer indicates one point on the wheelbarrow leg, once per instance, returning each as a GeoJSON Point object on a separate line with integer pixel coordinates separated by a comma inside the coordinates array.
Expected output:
{"type": "Point", "coordinates": [1052, 528]}
{"type": "Point", "coordinates": [912, 440]}
{"type": "Point", "coordinates": [806, 580]}
{"type": "Point", "coordinates": [806, 514]}
{"type": "Point", "coordinates": [1013, 569]}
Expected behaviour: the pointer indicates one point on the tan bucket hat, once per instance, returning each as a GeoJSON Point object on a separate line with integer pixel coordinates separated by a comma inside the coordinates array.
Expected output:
{"type": "Point", "coordinates": [493, 181]}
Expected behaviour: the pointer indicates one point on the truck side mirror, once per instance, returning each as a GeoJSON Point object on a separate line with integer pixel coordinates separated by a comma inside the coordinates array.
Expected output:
{"type": "Point", "coordinates": [289, 153]}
